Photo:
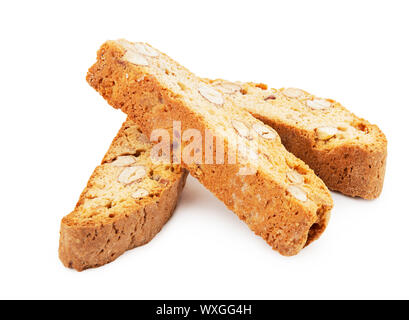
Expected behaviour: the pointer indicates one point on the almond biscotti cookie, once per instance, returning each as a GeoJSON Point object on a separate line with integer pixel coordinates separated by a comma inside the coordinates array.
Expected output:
{"type": "Point", "coordinates": [127, 201]}
{"type": "Point", "coordinates": [346, 152]}
{"type": "Point", "coordinates": [275, 193]}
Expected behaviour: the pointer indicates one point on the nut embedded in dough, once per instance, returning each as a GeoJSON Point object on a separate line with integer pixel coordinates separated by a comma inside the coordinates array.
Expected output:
{"type": "Point", "coordinates": [241, 129]}
{"type": "Point", "coordinates": [298, 193]}
{"type": "Point", "coordinates": [123, 161]}
{"type": "Point", "coordinates": [326, 133]}
{"type": "Point", "coordinates": [264, 131]}
{"type": "Point", "coordinates": [145, 50]}
{"type": "Point", "coordinates": [294, 177]}
{"type": "Point", "coordinates": [318, 104]}
{"type": "Point", "coordinates": [293, 93]}
{"type": "Point", "coordinates": [211, 95]}
{"type": "Point", "coordinates": [140, 193]}
{"type": "Point", "coordinates": [131, 174]}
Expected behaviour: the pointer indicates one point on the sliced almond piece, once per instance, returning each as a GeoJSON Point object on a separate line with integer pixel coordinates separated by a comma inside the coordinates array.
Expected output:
{"type": "Point", "coordinates": [241, 129]}
{"type": "Point", "coordinates": [135, 58]}
{"type": "Point", "coordinates": [131, 54]}
{"type": "Point", "coordinates": [318, 104]}
{"type": "Point", "coordinates": [140, 193]}
{"type": "Point", "coordinates": [145, 50]}
{"type": "Point", "coordinates": [211, 95]}
{"type": "Point", "coordinates": [294, 177]}
{"type": "Point", "coordinates": [228, 87]}
{"type": "Point", "coordinates": [264, 131]}
{"type": "Point", "coordinates": [132, 174]}
{"type": "Point", "coordinates": [298, 193]}
{"type": "Point", "coordinates": [325, 133]}
{"type": "Point", "coordinates": [123, 161]}
{"type": "Point", "coordinates": [126, 44]}
{"type": "Point", "coordinates": [293, 93]}
{"type": "Point", "coordinates": [138, 47]}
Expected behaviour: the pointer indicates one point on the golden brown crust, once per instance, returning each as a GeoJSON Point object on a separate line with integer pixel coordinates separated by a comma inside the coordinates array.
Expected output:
{"type": "Point", "coordinates": [93, 235]}
{"type": "Point", "coordinates": [83, 247]}
{"type": "Point", "coordinates": [260, 200]}
{"type": "Point", "coordinates": [356, 170]}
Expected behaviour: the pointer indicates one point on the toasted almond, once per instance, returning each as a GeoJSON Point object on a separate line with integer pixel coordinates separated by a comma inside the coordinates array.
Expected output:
{"type": "Point", "coordinates": [294, 177]}
{"type": "Point", "coordinates": [140, 193]}
{"type": "Point", "coordinates": [325, 133]}
{"type": "Point", "coordinates": [135, 58]}
{"type": "Point", "coordinates": [211, 95]}
{"type": "Point", "coordinates": [264, 131]}
{"type": "Point", "coordinates": [241, 129]}
{"type": "Point", "coordinates": [126, 44]}
{"type": "Point", "coordinates": [318, 104]}
{"type": "Point", "coordinates": [145, 50]}
{"type": "Point", "coordinates": [132, 174]}
{"type": "Point", "coordinates": [123, 161]}
{"type": "Point", "coordinates": [131, 53]}
{"type": "Point", "coordinates": [298, 193]}
{"type": "Point", "coordinates": [293, 93]}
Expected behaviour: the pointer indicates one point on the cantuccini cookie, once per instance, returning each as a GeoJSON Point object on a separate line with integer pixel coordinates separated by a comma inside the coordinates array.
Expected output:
{"type": "Point", "coordinates": [127, 201]}
{"type": "Point", "coordinates": [275, 193]}
{"type": "Point", "coordinates": [347, 152]}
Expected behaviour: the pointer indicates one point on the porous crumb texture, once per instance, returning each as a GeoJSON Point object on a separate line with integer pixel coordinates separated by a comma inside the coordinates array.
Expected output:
{"type": "Point", "coordinates": [275, 193]}
{"type": "Point", "coordinates": [346, 152]}
{"type": "Point", "coordinates": [126, 202]}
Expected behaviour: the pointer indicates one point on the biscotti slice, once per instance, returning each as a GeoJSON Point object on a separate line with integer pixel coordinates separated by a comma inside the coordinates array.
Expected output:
{"type": "Point", "coordinates": [127, 201]}
{"type": "Point", "coordinates": [346, 152]}
{"type": "Point", "coordinates": [275, 193]}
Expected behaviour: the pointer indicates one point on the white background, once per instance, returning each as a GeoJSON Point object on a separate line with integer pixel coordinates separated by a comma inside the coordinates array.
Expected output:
{"type": "Point", "coordinates": [55, 129]}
